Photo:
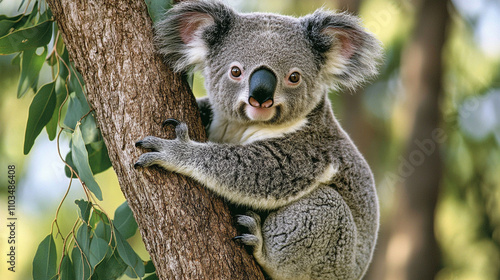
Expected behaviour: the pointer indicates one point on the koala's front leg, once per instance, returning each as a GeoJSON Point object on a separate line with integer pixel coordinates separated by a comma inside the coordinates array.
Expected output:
{"type": "Point", "coordinates": [263, 175]}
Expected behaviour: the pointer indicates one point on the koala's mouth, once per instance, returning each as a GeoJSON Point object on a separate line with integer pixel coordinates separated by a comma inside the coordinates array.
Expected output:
{"type": "Point", "coordinates": [260, 114]}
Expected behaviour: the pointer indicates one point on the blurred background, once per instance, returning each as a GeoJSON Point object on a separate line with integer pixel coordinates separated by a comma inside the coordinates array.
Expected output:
{"type": "Point", "coordinates": [429, 126]}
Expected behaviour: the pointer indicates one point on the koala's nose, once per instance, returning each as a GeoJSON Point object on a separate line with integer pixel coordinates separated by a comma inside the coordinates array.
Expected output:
{"type": "Point", "coordinates": [262, 86]}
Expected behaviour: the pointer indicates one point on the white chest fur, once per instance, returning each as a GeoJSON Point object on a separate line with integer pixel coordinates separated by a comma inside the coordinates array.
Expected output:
{"type": "Point", "coordinates": [223, 131]}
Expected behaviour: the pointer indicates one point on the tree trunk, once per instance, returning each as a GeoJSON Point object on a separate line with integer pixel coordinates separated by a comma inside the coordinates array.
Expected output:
{"type": "Point", "coordinates": [413, 252]}
{"type": "Point", "coordinates": [187, 231]}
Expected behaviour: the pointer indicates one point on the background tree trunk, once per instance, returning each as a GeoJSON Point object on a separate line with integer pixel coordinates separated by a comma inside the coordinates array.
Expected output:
{"type": "Point", "coordinates": [186, 230]}
{"type": "Point", "coordinates": [412, 251]}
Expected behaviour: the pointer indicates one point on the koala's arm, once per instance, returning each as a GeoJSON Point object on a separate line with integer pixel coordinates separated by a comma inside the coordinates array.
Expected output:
{"type": "Point", "coordinates": [263, 175]}
{"type": "Point", "coordinates": [205, 110]}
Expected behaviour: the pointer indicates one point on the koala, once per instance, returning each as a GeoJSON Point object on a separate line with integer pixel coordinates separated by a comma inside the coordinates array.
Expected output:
{"type": "Point", "coordinates": [275, 146]}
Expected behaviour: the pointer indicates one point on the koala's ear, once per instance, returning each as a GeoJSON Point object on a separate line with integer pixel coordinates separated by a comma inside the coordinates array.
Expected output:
{"type": "Point", "coordinates": [347, 53]}
{"type": "Point", "coordinates": [190, 29]}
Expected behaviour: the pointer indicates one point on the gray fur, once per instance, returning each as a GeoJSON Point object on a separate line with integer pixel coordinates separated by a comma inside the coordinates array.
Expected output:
{"type": "Point", "coordinates": [298, 166]}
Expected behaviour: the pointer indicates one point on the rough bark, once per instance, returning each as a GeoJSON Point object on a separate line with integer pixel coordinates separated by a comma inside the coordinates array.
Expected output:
{"type": "Point", "coordinates": [187, 231]}
{"type": "Point", "coordinates": [413, 252]}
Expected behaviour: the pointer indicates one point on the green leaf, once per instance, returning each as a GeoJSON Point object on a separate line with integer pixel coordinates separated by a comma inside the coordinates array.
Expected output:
{"type": "Point", "coordinates": [151, 277]}
{"type": "Point", "coordinates": [51, 126]}
{"type": "Point", "coordinates": [67, 271]}
{"type": "Point", "coordinates": [27, 38]}
{"type": "Point", "coordinates": [81, 253]}
{"type": "Point", "coordinates": [31, 64]}
{"type": "Point", "coordinates": [69, 161]}
{"type": "Point", "coordinates": [98, 156]}
{"type": "Point", "coordinates": [96, 216]}
{"type": "Point", "coordinates": [128, 255]}
{"type": "Point", "coordinates": [111, 267]}
{"type": "Point", "coordinates": [16, 60]}
{"type": "Point", "coordinates": [40, 113]}
{"type": "Point", "coordinates": [149, 267]}
{"type": "Point", "coordinates": [85, 207]}
{"type": "Point", "coordinates": [8, 23]}
{"type": "Point", "coordinates": [76, 110]}
{"type": "Point", "coordinates": [81, 161]}
{"type": "Point", "coordinates": [83, 239]}
{"type": "Point", "coordinates": [44, 263]}
{"type": "Point", "coordinates": [124, 221]}
{"type": "Point", "coordinates": [103, 231]}
{"type": "Point", "coordinates": [158, 8]}
{"type": "Point", "coordinates": [81, 264]}
{"type": "Point", "coordinates": [89, 129]}
{"type": "Point", "coordinates": [76, 84]}
{"type": "Point", "coordinates": [98, 249]}
{"type": "Point", "coordinates": [46, 15]}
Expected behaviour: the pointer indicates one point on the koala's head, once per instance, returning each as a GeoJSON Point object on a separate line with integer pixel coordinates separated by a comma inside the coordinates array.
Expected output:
{"type": "Point", "coordinates": [262, 67]}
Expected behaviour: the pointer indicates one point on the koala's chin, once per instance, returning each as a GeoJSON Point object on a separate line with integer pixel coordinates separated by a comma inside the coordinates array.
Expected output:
{"type": "Point", "coordinates": [259, 113]}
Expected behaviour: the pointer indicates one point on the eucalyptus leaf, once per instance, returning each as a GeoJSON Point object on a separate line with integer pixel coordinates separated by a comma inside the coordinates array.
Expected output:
{"type": "Point", "coordinates": [44, 263]}
{"type": "Point", "coordinates": [16, 60]}
{"type": "Point", "coordinates": [81, 161]}
{"type": "Point", "coordinates": [31, 64]}
{"type": "Point", "coordinates": [76, 84]}
{"type": "Point", "coordinates": [81, 265]}
{"type": "Point", "coordinates": [27, 38]}
{"type": "Point", "coordinates": [103, 231]}
{"type": "Point", "coordinates": [51, 126]}
{"type": "Point", "coordinates": [111, 267]}
{"type": "Point", "coordinates": [98, 249]}
{"type": "Point", "coordinates": [96, 216]}
{"type": "Point", "coordinates": [69, 160]}
{"type": "Point", "coordinates": [128, 255]}
{"type": "Point", "coordinates": [67, 271]}
{"type": "Point", "coordinates": [98, 157]}
{"type": "Point", "coordinates": [8, 23]}
{"type": "Point", "coordinates": [84, 207]}
{"type": "Point", "coordinates": [83, 239]}
{"type": "Point", "coordinates": [89, 129]}
{"type": "Point", "coordinates": [77, 108]}
{"type": "Point", "coordinates": [40, 112]}
{"type": "Point", "coordinates": [151, 277]}
{"type": "Point", "coordinates": [149, 267]}
{"type": "Point", "coordinates": [124, 221]}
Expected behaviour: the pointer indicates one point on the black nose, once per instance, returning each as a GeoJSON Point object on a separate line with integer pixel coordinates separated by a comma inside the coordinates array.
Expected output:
{"type": "Point", "coordinates": [262, 86]}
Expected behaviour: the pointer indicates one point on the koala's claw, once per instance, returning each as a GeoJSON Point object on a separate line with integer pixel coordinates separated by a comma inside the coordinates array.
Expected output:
{"type": "Point", "coordinates": [248, 239]}
{"type": "Point", "coordinates": [138, 144]}
{"type": "Point", "coordinates": [252, 222]}
{"type": "Point", "coordinates": [181, 129]}
{"type": "Point", "coordinates": [150, 142]}
{"type": "Point", "coordinates": [173, 122]}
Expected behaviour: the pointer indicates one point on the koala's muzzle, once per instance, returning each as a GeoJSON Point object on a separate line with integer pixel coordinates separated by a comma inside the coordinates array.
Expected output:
{"type": "Point", "coordinates": [262, 86]}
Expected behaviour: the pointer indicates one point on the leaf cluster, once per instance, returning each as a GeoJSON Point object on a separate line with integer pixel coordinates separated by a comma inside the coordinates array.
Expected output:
{"type": "Point", "coordinates": [96, 247]}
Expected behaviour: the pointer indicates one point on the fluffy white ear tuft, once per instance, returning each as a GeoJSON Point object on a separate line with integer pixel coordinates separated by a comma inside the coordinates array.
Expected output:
{"type": "Point", "coordinates": [348, 54]}
{"type": "Point", "coordinates": [189, 30]}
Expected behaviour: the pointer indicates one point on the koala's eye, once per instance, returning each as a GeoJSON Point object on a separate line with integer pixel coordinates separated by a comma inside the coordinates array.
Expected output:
{"type": "Point", "coordinates": [235, 71]}
{"type": "Point", "coordinates": [294, 77]}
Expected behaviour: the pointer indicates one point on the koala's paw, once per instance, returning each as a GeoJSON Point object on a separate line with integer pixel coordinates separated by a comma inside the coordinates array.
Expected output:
{"type": "Point", "coordinates": [164, 152]}
{"type": "Point", "coordinates": [252, 222]}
